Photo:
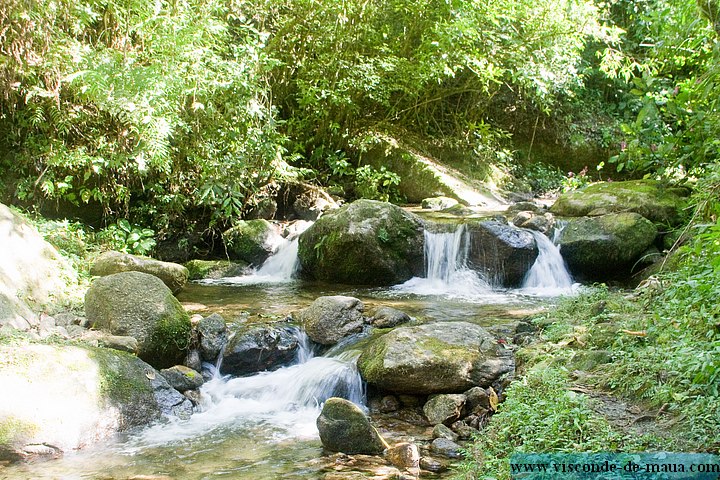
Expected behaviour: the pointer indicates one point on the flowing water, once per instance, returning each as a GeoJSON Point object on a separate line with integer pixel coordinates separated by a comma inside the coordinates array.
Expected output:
{"type": "Point", "coordinates": [263, 426]}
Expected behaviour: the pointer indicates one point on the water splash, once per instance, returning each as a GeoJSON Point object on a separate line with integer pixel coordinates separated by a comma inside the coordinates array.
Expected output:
{"type": "Point", "coordinates": [446, 271]}
{"type": "Point", "coordinates": [549, 275]}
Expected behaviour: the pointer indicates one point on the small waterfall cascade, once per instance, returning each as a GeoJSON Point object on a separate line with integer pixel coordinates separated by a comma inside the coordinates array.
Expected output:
{"type": "Point", "coordinates": [284, 263]}
{"type": "Point", "coordinates": [446, 270]}
{"type": "Point", "coordinates": [549, 274]}
{"type": "Point", "coordinates": [284, 403]}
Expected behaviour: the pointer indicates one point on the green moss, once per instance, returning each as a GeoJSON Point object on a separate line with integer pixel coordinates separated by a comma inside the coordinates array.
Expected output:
{"type": "Point", "coordinates": [118, 382]}
{"type": "Point", "coordinates": [170, 340]}
{"type": "Point", "coordinates": [13, 429]}
{"type": "Point", "coordinates": [200, 269]}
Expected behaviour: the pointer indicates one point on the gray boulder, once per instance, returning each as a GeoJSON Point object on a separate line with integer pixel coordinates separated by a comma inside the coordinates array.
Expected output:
{"type": "Point", "coordinates": [212, 331]}
{"type": "Point", "coordinates": [140, 305]}
{"type": "Point", "coordinates": [258, 348]}
{"type": "Point", "coordinates": [329, 319]}
{"type": "Point", "coordinates": [388, 317]}
{"type": "Point", "coordinates": [444, 408]}
{"type": "Point", "coordinates": [502, 253]}
{"type": "Point", "coordinates": [440, 357]}
{"type": "Point", "coordinates": [364, 243]}
{"type": "Point", "coordinates": [601, 247]}
{"type": "Point", "coordinates": [446, 448]}
{"type": "Point", "coordinates": [173, 275]}
{"type": "Point", "coordinates": [344, 428]}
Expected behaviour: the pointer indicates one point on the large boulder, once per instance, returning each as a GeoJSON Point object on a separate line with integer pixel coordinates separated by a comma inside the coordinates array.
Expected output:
{"type": "Point", "coordinates": [653, 200]}
{"type": "Point", "coordinates": [364, 243]}
{"type": "Point", "coordinates": [344, 428]}
{"type": "Point", "coordinates": [140, 305]}
{"type": "Point", "coordinates": [252, 241]}
{"type": "Point", "coordinates": [444, 357]}
{"type": "Point", "coordinates": [502, 253]}
{"type": "Point", "coordinates": [329, 319]}
{"type": "Point", "coordinates": [258, 348]}
{"type": "Point", "coordinates": [33, 275]}
{"type": "Point", "coordinates": [601, 247]}
{"type": "Point", "coordinates": [70, 397]}
{"type": "Point", "coordinates": [173, 275]}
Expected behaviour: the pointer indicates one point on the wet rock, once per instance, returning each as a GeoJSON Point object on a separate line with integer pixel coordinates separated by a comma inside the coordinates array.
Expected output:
{"type": "Point", "coordinates": [202, 269]}
{"type": "Point", "coordinates": [602, 247]}
{"type": "Point", "coordinates": [363, 243]}
{"type": "Point", "coordinates": [173, 275]}
{"type": "Point", "coordinates": [442, 431]}
{"type": "Point", "coordinates": [212, 331]}
{"type": "Point", "coordinates": [259, 348]}
{"type": "Point", "coordinates": [530, 207]}
{"type": "Point", "coordinates": [404, 455]}
{"type": "Point", "coordinates": [502, 253]}
{"type": "Point", "coordinates": [193, 360]}
{"type": "Point", "coordinates": [170, 401]}
{"type": "Point", "coordinates": [659, 203]}
{"type": "Point", "coordinates": [343, 427]}
{"type": "Point", "coordinates": [444, 408]}
{"type": "Point", "coordinates": [446, 448]}
{"type": "Point", "coordinates": [252, 241]}
{"type": "Point", "coordinates": [435, 358]}
{"type": "Point", "coordinates": [388, 317]}
{"type": "Point", "coordinates": [329, 319]}
{"type": "Point", "coordinates": [542, 223]}
{"type": "Point", "coordinates": [182, 378]}
{"type": "Point", "coordinates": [477, 397]}
{"type": "Point", "coordinates": [438, 203]}
{"type": "Point", "coordinates": [140, 305]}
{"type": "Point", "coordinates": [194, 396]}
{"type": "Point", "coordinates": [431, 464]}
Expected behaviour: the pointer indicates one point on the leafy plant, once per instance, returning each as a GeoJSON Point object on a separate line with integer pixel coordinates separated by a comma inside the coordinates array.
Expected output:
{"type": "Point", "coordinates": [127, 238]}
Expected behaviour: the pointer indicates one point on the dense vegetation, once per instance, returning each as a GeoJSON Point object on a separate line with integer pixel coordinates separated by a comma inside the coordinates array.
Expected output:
{"type": "Point", "coordinates": [175, 116]}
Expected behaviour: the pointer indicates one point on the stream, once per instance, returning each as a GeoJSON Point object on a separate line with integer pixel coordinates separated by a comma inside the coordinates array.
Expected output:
{"type": "Point", "coordinates": [263, 426]}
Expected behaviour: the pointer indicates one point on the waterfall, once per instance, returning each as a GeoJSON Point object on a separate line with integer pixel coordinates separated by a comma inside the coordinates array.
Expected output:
{"type": "Point", "coordinates": [446, 271]}
{"type": "Point", "coordinates": [285, 402]}
{"type": "Point", "coordinates": [548, 275]}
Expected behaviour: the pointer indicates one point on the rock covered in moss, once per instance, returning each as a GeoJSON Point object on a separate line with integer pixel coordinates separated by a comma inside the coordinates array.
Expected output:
{"type": "Point", "coordinates": [388, 317]}
{"type": "Point", "coordinates": [653, 200]}
{"type": "Point", "coordinates": [602, 247]}
{"type": "Point", "coordinates": [343, 427]}
{"type": "Point", "coordinates": [364, 243]}
{"type": "Point", "coordinates": [329, 319]}
{"type": "Point", "coordinates": [502, 253]}
{"type": "Point", "coordinates": [444, 408]}
{"type": "Point", "coordinates": [182, 378]}
{"type": "Point", "coordinates": [438, 203]}
{"type": "Point", "coordinates": [71, 397]}
{"type": "Point", "coordinates": [202, 269]}
{"type": "Point", "coordinates": [173, 275]}
{"type": "Point", "coordinates": [140, 305]}
{"type": "Point", "coordinates": [252, 241]}
{"type": "Point", "coordinates": [440, 357]}
{"type": "Point", "coordinates": [259, 348]}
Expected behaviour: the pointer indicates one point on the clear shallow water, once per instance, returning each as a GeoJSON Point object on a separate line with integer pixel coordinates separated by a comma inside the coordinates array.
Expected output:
{"type": "Point", "coordinates": [263, 427]}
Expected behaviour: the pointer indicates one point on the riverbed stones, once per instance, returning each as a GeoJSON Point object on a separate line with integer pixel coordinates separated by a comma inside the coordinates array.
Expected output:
{"type": "Point", "coordinates": [446, 448]}
{"type": "Point", "coordinates": [502, 253]}
{"type": "Point", "coordinates": [212, 332]}
{"type": "Point", "coordinates": [259, 348]}
{"type": "Point", "coordinates": [601, 247]}
{"type": "Point", "coordinates": [343, 427]}
{"type": "Point", "coordinates": [140, 305]}
{"type": "Point", "coordinates": [442, 357]}
{"type": "Point", "coordinates": [404, 455]}
{"type": "Point", "coordinates": [659, 203]}
{"type": "Point", "coordinates": [331, 318]}
{"type": "Point", "coordinates": [443, 431]}
{"type": "Point", "coordinates": [252, 241]}
{"type": "Point", "coordinates": [366, 242]}
{"type": "Point", "coordinates": [444, 408]}
{"type": "Point", "coordinates": [173, 275]}
{"type": "Point", "coordinates": [388, 317]}
{"type": "Point", "coordinates": [71, 397]}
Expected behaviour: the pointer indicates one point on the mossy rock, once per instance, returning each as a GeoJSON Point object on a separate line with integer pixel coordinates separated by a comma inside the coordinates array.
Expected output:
{"type": "Point", "coordinates": [140, 305]}
{"type": "Point", "coordinates": [70, 396]}
{"type": "Point", "coordinates": [252, 241]}
{"type": "Point", "coordinates": [202, 269]}
{"type": "Point", "coordinates": [653, 200]}
{"type": "Point", "coordinates": [363, 243]}
{"type": "Point", "coordinates": [604, 247]}
{"type": "Point", "coordinates": [343, 427]}
{"type": "Point", "coordinates": [175, 276]}
{"type": "Point", "coordinates": [444, 357]}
